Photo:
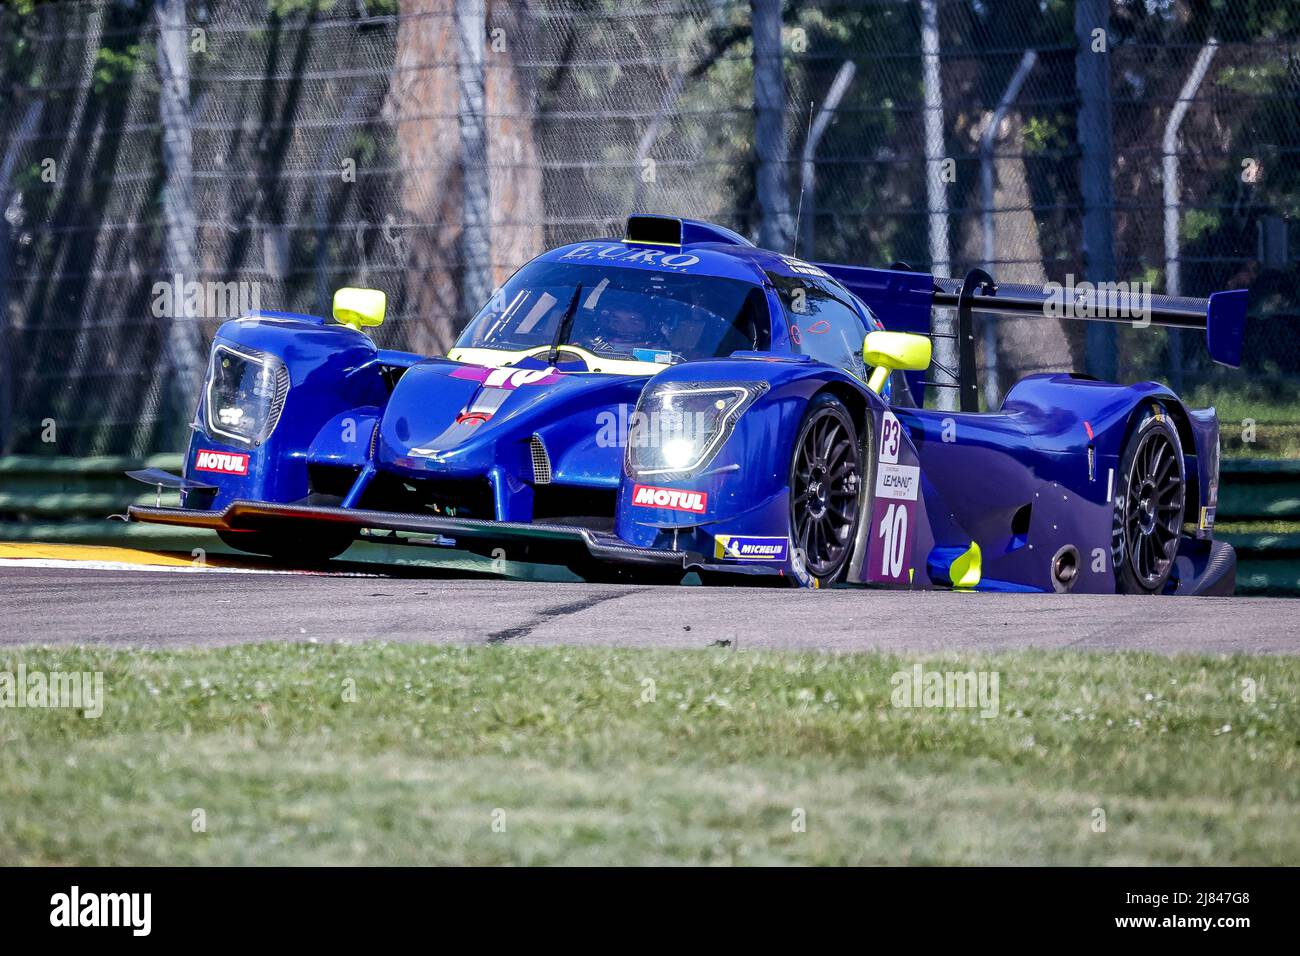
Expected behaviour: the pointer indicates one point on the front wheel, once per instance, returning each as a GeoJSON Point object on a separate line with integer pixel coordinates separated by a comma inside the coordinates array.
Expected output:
{"type": "Point", "coordinates": [825, 488]}
{"type": "Point", "coordinates": [1149, 503]}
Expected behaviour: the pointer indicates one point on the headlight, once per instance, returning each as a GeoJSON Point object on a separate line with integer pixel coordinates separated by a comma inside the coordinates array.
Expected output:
{"type": "Point", "coordinates": [245, 394]}
{"type": "Point", "coordinates": [679, 426]}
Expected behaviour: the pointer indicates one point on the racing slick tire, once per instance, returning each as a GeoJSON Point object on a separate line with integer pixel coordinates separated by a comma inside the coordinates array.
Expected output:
{"type": "Point", "coordinates": [1149, 501]}
{"type": "Point", "coordinates": [307, 546]}
{"type": "Point", "coordinates": [826, 489]}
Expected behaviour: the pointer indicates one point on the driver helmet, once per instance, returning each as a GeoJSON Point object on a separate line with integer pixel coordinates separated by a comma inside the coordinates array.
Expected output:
{"type": "Point", "coordinates": [627, 325]}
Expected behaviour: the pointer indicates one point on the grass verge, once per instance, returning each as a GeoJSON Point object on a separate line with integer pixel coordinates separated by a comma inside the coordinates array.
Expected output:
{"type": "Point", "coordinates": [382, 753]}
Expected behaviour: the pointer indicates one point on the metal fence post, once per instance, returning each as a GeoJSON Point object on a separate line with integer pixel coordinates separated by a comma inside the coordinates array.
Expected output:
{"type": "Point", "coordinates": [1092, 81]}
{"type": "Point", "coordinates": [769, 126]}
{"type": "Point", "coordinates": [808, 163]}
{"type": "Point", "coordinates": [26, 128]}
{"type": "Point", "coordinates": [6, 342]}
{"type": "Point", "coordinates": [179, 250]}
{"type": "Point", "coordinates": [1170, 184]}
{"type": "Point", "coordinates": [476, 225]}
{"type": "Point", "coordinates": [992, 385]}
{"type": "Point", "coordinates": [944, 323]}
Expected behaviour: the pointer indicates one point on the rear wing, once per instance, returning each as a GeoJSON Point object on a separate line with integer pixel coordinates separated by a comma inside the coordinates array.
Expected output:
{"type": "Point", "coordinates": [905, 300]}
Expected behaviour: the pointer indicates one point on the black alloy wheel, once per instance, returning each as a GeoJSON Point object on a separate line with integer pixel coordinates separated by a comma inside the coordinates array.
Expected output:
{"type": "Point", "coordinates": [825, 487]}
{"type": "Point", "coordinates": [1149, 508]}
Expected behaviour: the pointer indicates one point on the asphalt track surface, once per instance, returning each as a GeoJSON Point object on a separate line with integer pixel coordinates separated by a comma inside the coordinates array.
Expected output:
{"type": "Point", "coordinates": [146, 607]}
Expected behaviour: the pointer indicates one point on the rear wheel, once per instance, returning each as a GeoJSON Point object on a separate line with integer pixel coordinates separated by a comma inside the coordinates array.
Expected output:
{"type": "Point", "coordinates": [306, 545]}
{"type": "Point", "coordinates": [825, 488]}
{"type": "Point", "coordinates": [1149, 504]}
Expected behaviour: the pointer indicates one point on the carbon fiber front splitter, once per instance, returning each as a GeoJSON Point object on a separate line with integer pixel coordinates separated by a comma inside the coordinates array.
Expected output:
{"type": "Point", "coordinates": [563, 539]}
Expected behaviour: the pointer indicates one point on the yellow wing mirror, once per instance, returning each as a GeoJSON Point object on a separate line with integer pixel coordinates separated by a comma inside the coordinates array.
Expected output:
{"type": "Point", "coordinates": [359, 307]}
{"type": "Point", "coordinates": [887, 351]}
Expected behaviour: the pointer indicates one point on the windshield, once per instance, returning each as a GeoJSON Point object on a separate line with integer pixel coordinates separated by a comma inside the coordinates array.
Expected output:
{"type": "Point", "coordinates": [626, 313]}
{"type": "Point", "coordinates": [821, 321]}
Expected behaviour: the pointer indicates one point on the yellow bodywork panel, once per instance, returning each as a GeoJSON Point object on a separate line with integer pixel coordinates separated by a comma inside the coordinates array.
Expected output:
{"type": "Point", "coordinates": [965, 570]}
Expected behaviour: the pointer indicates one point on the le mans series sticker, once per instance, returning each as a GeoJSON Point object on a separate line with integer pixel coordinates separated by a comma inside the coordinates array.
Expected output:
{"type": "Point", "coordinates": [898, 482]}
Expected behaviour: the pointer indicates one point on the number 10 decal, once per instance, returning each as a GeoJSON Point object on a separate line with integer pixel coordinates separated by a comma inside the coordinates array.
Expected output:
{"type": "Point", "coordinates": [890, 560]}
{"type": "Point", "coordinates": [893, 530]}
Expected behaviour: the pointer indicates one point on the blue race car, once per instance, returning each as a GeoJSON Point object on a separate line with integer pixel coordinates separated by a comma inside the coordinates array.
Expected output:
{"type": "Point", "coordinates": [680, 400]}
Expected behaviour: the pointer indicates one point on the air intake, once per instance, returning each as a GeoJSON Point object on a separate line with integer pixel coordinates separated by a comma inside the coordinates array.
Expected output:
{"type": "Point", "coordinates": [670, 231]}
{"type": "Point", "coordinates": [541, 462]}
{"type": "Point", "coordinates": [654, 230]}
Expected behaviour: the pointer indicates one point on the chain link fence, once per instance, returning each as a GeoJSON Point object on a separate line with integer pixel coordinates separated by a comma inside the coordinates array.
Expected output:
{"type": "Point", "coordinates": [165, 165]}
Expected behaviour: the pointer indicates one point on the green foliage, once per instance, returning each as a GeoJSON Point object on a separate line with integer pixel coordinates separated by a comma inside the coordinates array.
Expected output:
{"type": "Point", "coordinates": [287, 9]}
{"type": "Point", "coordinates": [1197, 222]}
{"type": "Point", "coordinates": [1255, 79]}
{"type": "Point", "coordinates": [363, 147]}
{"type": "Point", "coordinates": [1151, 276]}
{"type": "Point", "coordinates": [291, 8]}
{"type": "Point", "coordinates": [114, 66]}
{"type": "Point", "coordinates": [1042, 134]}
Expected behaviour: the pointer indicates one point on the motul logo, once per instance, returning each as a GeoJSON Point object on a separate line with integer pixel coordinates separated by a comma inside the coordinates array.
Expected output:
{"type": "Point", "coordinates": [222, 462]}
{"type": "Point", "coordinates": [649, 496]}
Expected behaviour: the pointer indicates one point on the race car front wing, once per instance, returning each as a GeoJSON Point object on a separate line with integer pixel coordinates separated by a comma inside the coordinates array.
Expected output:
{"type": "Point", "coordinates": [256, 515]}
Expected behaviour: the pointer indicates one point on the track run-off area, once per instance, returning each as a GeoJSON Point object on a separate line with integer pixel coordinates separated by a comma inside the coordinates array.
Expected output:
{"type": "Point", "coordinates": [75, 594]}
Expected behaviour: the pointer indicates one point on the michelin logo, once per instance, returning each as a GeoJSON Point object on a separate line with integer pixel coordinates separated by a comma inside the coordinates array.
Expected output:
{"type": "Point", "coordinates": [899, 482]}
{"type": "Point", "coordinates": [746, 548]}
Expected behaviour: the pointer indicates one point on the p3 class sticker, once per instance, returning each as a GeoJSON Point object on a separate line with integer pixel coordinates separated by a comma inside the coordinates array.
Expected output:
{"type": "Point", "coordinates": [891, 438]}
